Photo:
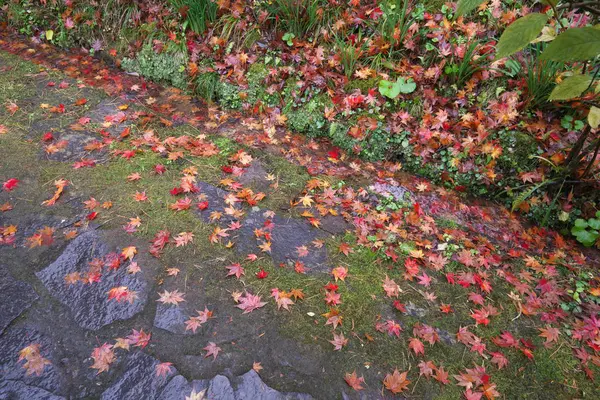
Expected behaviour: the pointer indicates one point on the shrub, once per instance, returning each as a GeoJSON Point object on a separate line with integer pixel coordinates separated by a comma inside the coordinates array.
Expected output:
{"type": "Point", "coordinates": [377, 144]}
{"type": "Point", "coordinates": [166, 67]}
{"type": "Point", "coordinates": [206, 85]}
{"type": "Point", "coordinates": [309, 118]}
{"type": "Point", "coordinates": [540, 79]}
{"type": "Point", "coordinates": [228, 95]}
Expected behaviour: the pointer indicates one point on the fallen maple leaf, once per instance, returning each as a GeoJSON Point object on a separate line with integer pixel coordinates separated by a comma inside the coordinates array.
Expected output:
{"type": "Point", "coordinates": [103, 357]}
{"type": "Point", "coordinates": [175, 297]}
{"type": "Point", "coordinates": [396, 382]}
{"type": "Point", "coordinates": [10, 184]}
{"type": "Point", "coordinates": [212, 350]}
{"type": "Point", "coordinates": [34, 362]}
{"type": "Point", "coordinates": [60, 185]}
{"type": "Point", "coordinates": [163, 369]}
{"type": "Point", "coordinates": [256, 367]}
{"type": "Point", "coordinates": [250, 302]}
{"type": "Point", "coordinates": [416, 345]}
{"type": "Point", "coordinates": [550, 334]}
{"type": "Point", "coordinates": [235, 269]}
{"type": "Point", "coordinates": [183, 239]}
{"type": "Point", "coordinates": [140, 196]}
{"type": "Point", "coordinates": [129, 252]}
{"type": "Point", "coordinates": [354, 381]}
{"type": "Point", "coordinates": [122, 293]}
{"type": "Point", "coordinates": [338, 341]}
{"type": "Point", "coordinates": [139, 338]}
{"type": "Point", "coordinates": [391, 288]}
{"type": "Point", "coordinates": [339, 273]}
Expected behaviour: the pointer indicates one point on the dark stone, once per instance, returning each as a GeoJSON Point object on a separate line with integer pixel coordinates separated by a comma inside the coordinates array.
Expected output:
{"type": "Point", "coordinates": [255, 176]}
{"type": "Point", "coordinates": [176, 389]}
{"type": "Point", "coordinates": [75, 149]}
{"type": "Point", "coordinates": [334, 224]}
{"type": "Point", "coordinates": [17, 390]}
{"type": "Point", "coordinates": [172, 318]}
{"type": "Point", "coordinates": [414, 311]}
{"type": "Point", "coordinates": [108, 108]}
{"type": "Point", "coordinates": [216, 202]}
{"type": "Point", "coordinates": [287, 235]}
{"type": "Point", "coordinates": [14, 378]}
{"type": "Point", "coordinates": [89, 303]}
{"type": "Point", "coordinates": [249, 386]}
{"type": "Point", "coordinates": [41, 126]}
{"type": "Point", "coordinates": [400, 193]}
{"type": "Point", "coordinates": [446, 336]}
{"type": "Point", "coordinates": [139, 379]}
{"type": "Point", "coordinates": [15, 297]}
{"type": "Point", "coordinates": [246, 387]}
{"type": "Point", "coordinates": [33, 222]}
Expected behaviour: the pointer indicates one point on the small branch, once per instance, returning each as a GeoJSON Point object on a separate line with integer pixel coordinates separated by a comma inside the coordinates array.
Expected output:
{"type": "Point", "coordinates": [593, 160]}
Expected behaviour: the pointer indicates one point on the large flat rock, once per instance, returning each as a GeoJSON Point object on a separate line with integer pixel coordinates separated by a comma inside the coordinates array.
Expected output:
{"type": "Point", "coordinates": [15, 297]}
{"type": "Point", "coordinates": [89, 302]}
{"type": "Point", "coordinates": [14, 380]}
{"type": "Point", "coordinates": [109, 116]}
{"type": "Point", "coordinates": [138, 380]}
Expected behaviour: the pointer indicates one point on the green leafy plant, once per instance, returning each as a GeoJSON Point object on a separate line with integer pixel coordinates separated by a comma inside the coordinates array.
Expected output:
{"type": "Point", "coordinates": [288, 38]}
{"type": "Point", "coordinates": [396, 21]}
{"type": "Point", "coordinates": [198, 14]}
{"type": "Point", "coordinates": [349, 55]}
{"type": "Point", "coordinates": [391, 90]}
{"type": "Point", "coordinates": [540, 79]}
{"type": "Point", "coordinates": [465, 68]}
{"type": "Point", "coordinates": [587, 232]}
{"type": "Point", "coordinates": [301, 18]}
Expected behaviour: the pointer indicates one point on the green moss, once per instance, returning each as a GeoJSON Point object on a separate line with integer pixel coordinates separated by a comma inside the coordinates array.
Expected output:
{"type": "Point", "coordinates": [363, 84]}
{"type": "Point", "coordinates": [257, 73]}
{"type": "Point", "coordinates": [518, 148]}
{"type": "Point", "coordinates": [290, 180]}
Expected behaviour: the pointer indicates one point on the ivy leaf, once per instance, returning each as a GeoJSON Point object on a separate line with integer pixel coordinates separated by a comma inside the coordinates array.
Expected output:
{"type": "Point", "coordinates": [574, 44]}
{"type": "Point", "coordinates": [466, 6]}
{"type": "Point", "coordinates": [594, 117]}
{"type": "Point", "coordinates": [391, 90]}
{"type": "Point", "coordinates": [594, 223]}
{"type": "Point", "coordinates": [520, 33]}
{"type": "Point", "coordinates": [587, 238]}
{"type": "Point", "coordinates": [571, 87]}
